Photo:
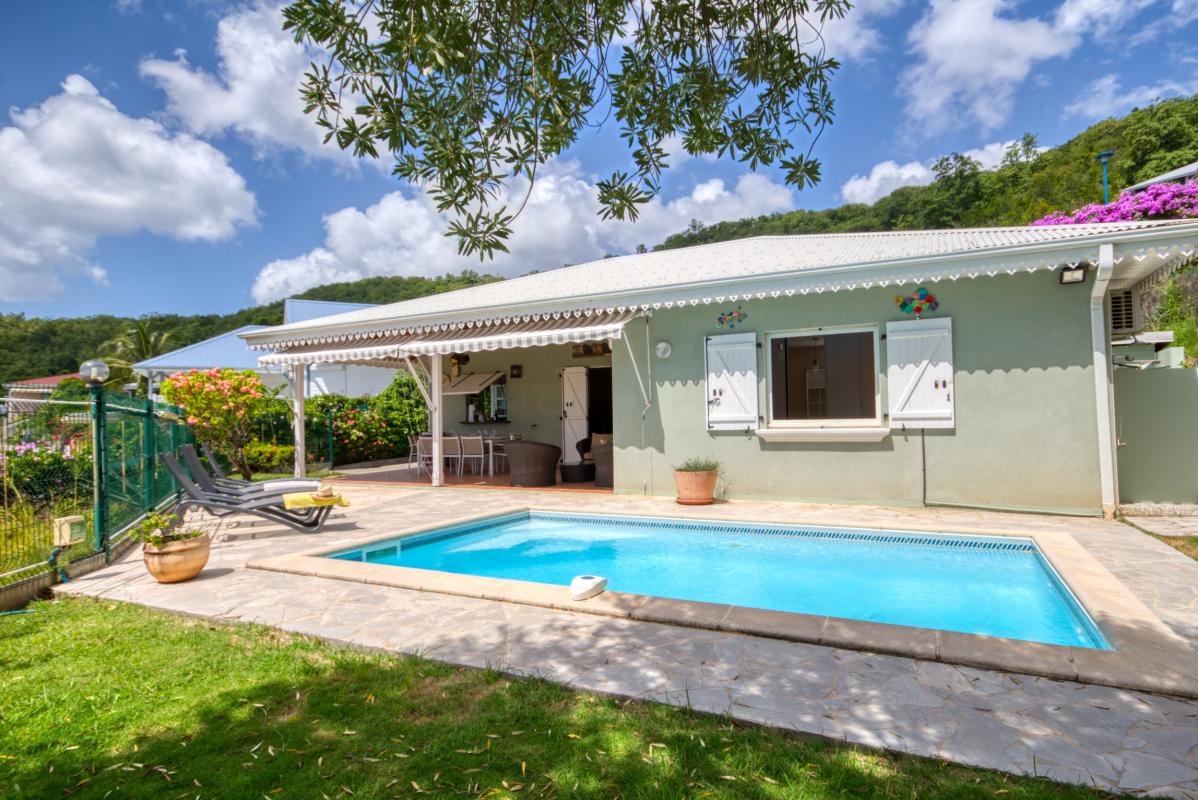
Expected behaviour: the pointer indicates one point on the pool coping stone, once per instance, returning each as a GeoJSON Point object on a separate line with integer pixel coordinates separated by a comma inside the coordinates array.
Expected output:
{"type": "Point", "coordinates": [1147, 656]}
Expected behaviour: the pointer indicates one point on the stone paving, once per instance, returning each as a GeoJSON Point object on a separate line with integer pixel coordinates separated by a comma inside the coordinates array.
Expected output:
{"type": "Point", "coordinates": [1111, 738]}
{"type": "Point", "coordinates": [1167, 525]}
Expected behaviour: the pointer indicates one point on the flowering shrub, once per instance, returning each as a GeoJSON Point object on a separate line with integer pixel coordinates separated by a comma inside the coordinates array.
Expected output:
{"type": "Point", "coordinates": [41, 472]}
{"type": "Point", "coordinates": [220, 405]}
{"type": "Point", "coordinates": [365, 435]}
{"type": "Point", "coordinates": [1161, 201]}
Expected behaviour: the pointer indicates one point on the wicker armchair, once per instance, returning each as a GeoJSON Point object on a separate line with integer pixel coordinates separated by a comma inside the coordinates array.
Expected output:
{"type": "Point", "coordinates": [532, 463]}
{"type": "Point", "coordinates": [601, 454]}
{"type": "Point", "coordinates": [597, 449]}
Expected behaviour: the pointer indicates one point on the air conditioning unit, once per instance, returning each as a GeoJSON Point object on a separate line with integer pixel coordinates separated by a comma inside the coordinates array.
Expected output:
{"type": "Point", "coordinates": [1123, 311]}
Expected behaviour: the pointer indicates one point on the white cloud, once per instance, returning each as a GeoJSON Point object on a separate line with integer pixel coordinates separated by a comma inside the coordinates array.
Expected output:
{"type": "Point", "coordinates": [886, 176]}
{"type": "Point", "coordinates": [1181, 13]}
{"type": "Point", "coordinates": [403, 235]}
{"type": "Point", "coordinates": [855, 37]}
{"type": "Point", "coordinates": [883, 179]}
{"type": "Point", "coordinates": [1100, 17]}
{"type": "Point", "coordinates": [75, 168]}
{"type": "Point", "coordinates": [1106, 97]}
{"type": "Point", "coordinates": [972, 57]}
{"type": "Point", "coordinates": [255, 92]}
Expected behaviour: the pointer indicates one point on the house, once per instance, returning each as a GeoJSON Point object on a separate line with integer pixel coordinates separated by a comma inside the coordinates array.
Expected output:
{"type": "Point", "coordinates": [1179, 174]}
{"type": "Point", "coordinates": [229, 350]}
{"type": "Point", "coordinates": [966, 367]}
{"type": "Point", "coordinates": [24, 397]}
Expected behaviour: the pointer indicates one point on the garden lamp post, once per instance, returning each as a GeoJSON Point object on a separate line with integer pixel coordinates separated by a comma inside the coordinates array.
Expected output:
{"type": "Point", "coordinates": [94, 373]}
{"type": "Point", "coordinates": [1105, 157]}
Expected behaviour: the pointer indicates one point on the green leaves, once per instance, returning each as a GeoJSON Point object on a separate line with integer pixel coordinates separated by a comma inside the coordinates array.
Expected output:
{"type": "Point", "coordinates": [471, 98]}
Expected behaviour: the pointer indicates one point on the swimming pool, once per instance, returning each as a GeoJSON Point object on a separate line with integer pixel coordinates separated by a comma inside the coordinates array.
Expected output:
{"type": "Point", "coordinates": [1000, 586]}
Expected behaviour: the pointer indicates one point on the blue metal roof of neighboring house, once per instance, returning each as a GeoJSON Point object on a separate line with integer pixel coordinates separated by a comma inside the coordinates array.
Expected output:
{"type": "Point", "coordinates": [226, 350]}
{"type": "Point", "coordinates": [304, 310]}
{"type": "Point", "coordinates": [1181, 173]}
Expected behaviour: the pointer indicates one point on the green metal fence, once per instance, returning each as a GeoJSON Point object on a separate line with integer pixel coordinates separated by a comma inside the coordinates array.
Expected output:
{"type": "Point", "coordinates": [135, 433]}
{"type": "Point", "coordinates": [278, 427]}
{"type": "Point", "coordinates": [92, 461]}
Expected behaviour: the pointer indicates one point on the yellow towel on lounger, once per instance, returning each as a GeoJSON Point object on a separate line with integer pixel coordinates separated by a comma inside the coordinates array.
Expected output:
{"type": "Point", "coordinates": [310, 500]}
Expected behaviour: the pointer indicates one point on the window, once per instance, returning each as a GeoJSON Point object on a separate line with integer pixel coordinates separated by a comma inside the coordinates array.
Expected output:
{"type": "Point", "coordinates": [824, 378]}
{"type": "Point", "coordinates": [489, 405]}
{"type": "Point", "coordinates": [499, 400]}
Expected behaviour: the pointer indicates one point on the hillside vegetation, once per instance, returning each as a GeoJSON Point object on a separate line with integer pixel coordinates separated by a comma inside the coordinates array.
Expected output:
{"type": "Point", "coordinates": [33, 346]}
{"type": "Point", "coordinates": [1028, 185]}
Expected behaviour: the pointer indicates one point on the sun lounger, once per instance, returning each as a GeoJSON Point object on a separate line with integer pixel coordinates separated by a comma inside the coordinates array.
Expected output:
{"type": "Point", "coordinates": [267, 505]}
{"type": "Point", "coordinates": [216, 485]}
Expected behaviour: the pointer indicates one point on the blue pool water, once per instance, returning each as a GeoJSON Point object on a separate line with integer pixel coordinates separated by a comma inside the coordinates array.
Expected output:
{"type": "Point", "coordinates": [974, 584]}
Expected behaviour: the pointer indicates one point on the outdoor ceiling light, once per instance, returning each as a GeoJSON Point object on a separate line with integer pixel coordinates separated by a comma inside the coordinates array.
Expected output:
{"type": "Point", "coordinates": [94, 371]}
{"type": "Point", "coordinates": [1073, 274]}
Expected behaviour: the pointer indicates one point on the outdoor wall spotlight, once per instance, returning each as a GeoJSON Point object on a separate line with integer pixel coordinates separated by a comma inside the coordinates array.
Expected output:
{"type": "Point", "coordinates": [94, 371]}
{"type": "Point", "coordinates": [1073, 274]}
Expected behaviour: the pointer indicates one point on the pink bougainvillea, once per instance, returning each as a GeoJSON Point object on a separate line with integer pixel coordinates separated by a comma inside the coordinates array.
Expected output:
{"type": "Point", "coordinates": [220, 406]}
{"type": "Point", "coordinates": [1161, 201]}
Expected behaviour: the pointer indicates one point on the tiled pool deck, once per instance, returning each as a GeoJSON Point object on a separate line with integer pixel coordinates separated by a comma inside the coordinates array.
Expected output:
{"type": "Point", "coordinates": [1112, 738]}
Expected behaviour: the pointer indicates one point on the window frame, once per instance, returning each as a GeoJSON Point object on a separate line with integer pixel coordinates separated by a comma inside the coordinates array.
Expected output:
{"type": "Point", "coordinates": [874, 422]}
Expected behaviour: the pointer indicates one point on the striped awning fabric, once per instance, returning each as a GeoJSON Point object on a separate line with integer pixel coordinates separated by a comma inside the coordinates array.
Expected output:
{"type": "Point", "coordinates": [497, 336]}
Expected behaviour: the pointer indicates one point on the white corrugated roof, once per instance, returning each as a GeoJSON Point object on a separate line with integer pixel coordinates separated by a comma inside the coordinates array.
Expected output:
{"type": "Point", "coordinates": [761, 265]}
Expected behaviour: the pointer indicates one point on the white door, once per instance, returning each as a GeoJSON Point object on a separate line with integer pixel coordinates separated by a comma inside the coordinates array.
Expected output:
{"type": "Point", "coordinates": [919, 374]}
{"type": "Point", "coordinates": [732, 382]}
{"type": "Point", "coordinates": [574, 412]}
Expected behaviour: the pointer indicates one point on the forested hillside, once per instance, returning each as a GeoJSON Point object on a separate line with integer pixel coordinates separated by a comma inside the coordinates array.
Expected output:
{"type": "Point", "coordinates": [32, 346]}
{"type": "Point", "coordinates": [1027, 186]}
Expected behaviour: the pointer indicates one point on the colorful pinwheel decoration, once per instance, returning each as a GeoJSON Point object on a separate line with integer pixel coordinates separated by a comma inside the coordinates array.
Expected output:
{"type": "Point", "coordinates": [917, 303]}
{"type": "Point", "coordinates": [730, 319]}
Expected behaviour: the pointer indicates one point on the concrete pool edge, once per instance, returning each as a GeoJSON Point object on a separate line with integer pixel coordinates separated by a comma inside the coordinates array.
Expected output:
{"type": "Point", "coordinates": [1148, 656]}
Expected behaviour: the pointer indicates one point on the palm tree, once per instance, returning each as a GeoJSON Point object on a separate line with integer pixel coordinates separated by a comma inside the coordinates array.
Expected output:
{"type": "Point", "coordinates": [139, 342]}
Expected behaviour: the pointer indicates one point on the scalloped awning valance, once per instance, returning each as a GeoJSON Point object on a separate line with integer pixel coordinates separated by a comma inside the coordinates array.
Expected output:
{"type": "Point", "coordinates": [500, 336]}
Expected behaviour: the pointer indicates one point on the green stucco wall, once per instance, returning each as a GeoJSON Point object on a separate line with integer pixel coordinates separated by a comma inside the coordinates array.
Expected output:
{"type": "Point", "coordinates": [1025, 434]}
{"type": "Point", "coordinates": [534, 401]}
{"type": "Point", "coordinates": [1155, 415]}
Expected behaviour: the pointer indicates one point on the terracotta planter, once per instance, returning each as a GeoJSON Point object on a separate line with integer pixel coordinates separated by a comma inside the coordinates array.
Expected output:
{"type": "Point", "coordinates": [696, 488]}
{"type": "Point", "coordinates": [177, 561]}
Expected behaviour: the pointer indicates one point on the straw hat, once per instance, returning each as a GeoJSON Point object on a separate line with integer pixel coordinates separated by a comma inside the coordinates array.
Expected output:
{"type": "Point", "coordinates": [324, 492]}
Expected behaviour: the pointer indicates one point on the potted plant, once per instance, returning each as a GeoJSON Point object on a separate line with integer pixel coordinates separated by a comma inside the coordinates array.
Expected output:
{"type": "Point", "coordinates": [171, 553]}
{"type": "Point", "coordinates": [695, 480]}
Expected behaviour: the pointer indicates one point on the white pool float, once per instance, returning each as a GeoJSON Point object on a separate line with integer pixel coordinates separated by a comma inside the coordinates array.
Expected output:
{"type": "Point", "coordinates": [585, 587]}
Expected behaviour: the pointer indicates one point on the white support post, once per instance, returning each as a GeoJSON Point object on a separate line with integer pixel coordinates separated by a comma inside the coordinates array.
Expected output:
{"type": "Point", "coordinates": [436, 423]}
{"type": "Point", "coordinates": [1103, 391]}
{"type": "Point", "coordinates": [299, 381]}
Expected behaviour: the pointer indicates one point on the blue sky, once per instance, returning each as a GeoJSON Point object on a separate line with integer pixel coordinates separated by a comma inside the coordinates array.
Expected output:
{"type": "Point", "coordinates": [154, 157]}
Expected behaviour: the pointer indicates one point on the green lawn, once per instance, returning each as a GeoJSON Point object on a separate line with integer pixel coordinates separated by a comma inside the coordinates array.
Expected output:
{"type": "Point", "coordinates": [110, 700]}
{"type": "Point", "coordinates": [312, 473]}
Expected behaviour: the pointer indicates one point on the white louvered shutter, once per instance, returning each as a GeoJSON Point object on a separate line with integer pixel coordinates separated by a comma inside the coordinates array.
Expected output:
{"type": "Point", "coordinates": [919, 374]}
{"type": "Point", "coordinates": [732, 382]}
